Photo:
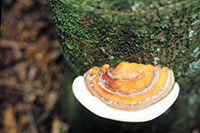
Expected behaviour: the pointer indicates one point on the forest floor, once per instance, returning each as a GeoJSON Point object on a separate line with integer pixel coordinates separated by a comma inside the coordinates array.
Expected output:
{"type": "Point", "coordinates": [31, 68]}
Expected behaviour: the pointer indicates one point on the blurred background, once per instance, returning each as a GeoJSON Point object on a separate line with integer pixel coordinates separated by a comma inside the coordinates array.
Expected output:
{"type": "Point", "coordinates": [31, 68]}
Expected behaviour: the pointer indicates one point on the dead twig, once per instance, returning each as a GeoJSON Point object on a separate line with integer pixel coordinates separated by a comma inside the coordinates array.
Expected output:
{"type": "Point", "coordinates": [31, 119]}
{"type": "Point", "coordinates": [14, 44]}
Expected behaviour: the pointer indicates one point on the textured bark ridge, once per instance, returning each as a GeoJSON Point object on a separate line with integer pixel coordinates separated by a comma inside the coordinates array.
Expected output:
{"type": "Point", "coordinates": [95, 32]}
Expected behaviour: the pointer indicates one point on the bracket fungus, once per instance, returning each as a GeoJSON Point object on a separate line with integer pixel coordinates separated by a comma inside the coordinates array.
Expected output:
{"type": "Point", "coordinates": [127, 92]}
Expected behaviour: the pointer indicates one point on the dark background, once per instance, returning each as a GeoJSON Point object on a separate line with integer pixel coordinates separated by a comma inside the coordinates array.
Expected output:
{"type": "Point", "coordinates": [31, 69]}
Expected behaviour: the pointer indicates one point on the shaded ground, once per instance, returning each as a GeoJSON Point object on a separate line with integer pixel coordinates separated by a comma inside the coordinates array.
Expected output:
{"type": "Point", "coordinates": [31, 68]}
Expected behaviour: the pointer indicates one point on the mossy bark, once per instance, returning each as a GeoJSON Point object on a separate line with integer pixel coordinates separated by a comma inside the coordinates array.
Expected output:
{"type": "Point", "coordinates": [95, 32]}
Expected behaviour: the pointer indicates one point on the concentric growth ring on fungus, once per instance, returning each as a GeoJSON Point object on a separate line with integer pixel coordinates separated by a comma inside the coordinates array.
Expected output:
{"type": "Point", "coordinates": [127, 92]}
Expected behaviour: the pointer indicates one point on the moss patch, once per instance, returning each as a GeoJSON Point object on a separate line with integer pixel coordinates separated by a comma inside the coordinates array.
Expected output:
{"type": "Point", "coordinates": [98, 32]}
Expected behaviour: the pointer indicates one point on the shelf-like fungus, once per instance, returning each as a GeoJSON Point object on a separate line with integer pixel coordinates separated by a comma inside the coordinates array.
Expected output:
{"type": "Point", "coordinates": [127, 92]}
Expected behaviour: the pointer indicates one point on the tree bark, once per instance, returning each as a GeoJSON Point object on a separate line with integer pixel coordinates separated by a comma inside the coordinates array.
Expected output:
{"type": "Point", "coordinates": [166, 33]}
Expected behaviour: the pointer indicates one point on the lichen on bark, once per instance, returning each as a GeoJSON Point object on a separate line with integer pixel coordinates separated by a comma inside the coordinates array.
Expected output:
{"type": "Point", "coordinates": [95, 32]}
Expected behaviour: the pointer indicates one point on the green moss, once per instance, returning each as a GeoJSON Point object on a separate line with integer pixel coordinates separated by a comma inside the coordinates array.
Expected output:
{"type": "Point", "coordinates": [95, 32]}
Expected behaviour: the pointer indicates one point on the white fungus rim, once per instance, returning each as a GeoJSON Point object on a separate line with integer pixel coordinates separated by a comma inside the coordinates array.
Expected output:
{"type": "Point", "coordinates": [99, 108]}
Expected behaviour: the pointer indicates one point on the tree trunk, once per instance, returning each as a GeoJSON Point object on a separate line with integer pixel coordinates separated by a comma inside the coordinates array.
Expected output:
{"type": "Point", "coordinates": [166, 33]}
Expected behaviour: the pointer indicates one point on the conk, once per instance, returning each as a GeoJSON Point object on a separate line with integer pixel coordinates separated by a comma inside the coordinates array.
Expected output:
{"type": "Point", "coordinates": [127, 92]}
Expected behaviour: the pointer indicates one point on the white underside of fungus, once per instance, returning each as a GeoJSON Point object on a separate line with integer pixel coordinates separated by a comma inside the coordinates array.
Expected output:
{"type": "Point", "coordinates": [99, 108]}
